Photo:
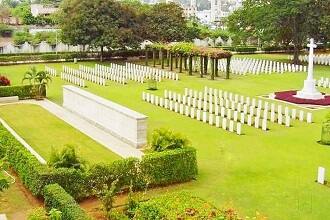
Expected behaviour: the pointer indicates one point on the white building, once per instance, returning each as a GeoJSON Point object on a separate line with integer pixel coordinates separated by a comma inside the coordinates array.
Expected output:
{"type": "Point", "coordinates": [42, 10]}
{"type": "Point", "coordinates": [223, 8]}
{"type": "Point", "coordinates": [204, 16]}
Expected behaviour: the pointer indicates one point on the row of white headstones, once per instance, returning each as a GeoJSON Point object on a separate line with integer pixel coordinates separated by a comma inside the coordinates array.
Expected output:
{"type": "Point", "coordinates": [321, 59]}
{"type": "Point", "coordinates": [89, 76]}
{"type": "Point", "coordinates": [184, 109]}
{"type": "Point", "coordinates": [323, 82]}
{"type": "Point", "coordinates": [150, 72]}
{"type": "Point", "coordinates": [256, 66]}
{"type": "Point", "coordinates": [236, 101]}
{"type": "Point", "coordinates": [226, 105]}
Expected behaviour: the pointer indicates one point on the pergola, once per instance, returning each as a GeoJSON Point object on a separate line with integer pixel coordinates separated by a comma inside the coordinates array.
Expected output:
{"type": "Point", "coordinates": [176, 55]}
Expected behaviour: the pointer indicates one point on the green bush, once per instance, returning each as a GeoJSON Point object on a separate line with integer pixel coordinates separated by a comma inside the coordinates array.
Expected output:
{"type": "Point", "coordinates": [36, 176]}
{"type": "Point", "coordinates": [67, 158]}
{"type": "Point", "coordinates": [246, 49]}
{"type": "Point", "coordinates": [179, 206]}
{"type": "Point", "coordinates": [165, 139]}
{"type": "Point", "coordinates": [56, 197]}
{"type": "Point", "coordinates": [325, 134]}
{"type": "Point", "coordinates": [22, 91]}
{"type": "Point", "coordinates": [167, 167]}
{"type": "Point", "coordinates": [37, 214]}
{"type": "Point", "coordinates": [68, 56]}
{"type": "Point", "coordinates": [5, 30]}
{"type": "Point", "coordinates": [158, 168]}
{"type": "Point", "coordinates": [125, 170]}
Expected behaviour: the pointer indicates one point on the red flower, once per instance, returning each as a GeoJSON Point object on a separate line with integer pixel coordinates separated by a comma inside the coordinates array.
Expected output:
{"type": "Point", "coordinates": [4, 81]}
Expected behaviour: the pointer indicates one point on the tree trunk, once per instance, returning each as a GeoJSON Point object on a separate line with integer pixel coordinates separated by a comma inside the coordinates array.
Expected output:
{"type": "Point", "coordinates": [228, 67]}
{"type": "Point", "coordinates": [212, 68]}
{"type": "Point", "coordinates": [176, 62]}
{"type": "Point", "coordinates": [180, 64]}
{"type": "Point", "coordinates": [154, 57]}
{"type": "Point", "coordinates": [167, 58]}
{"type": "Point", "coordinates": [101, 57]}
{"type": "Point", "coordinates": [146, 57]}
{"type": "Point", "coordinates": [201, 66]}
{"type": "Point", "coordinates": [185, 62]}
{"type": "Point", "coordinates": [162, 59]}
{"type": "Point", "coordinates": [171, 61]}
{"type": "Point", "coordinates": [216, 67]}
{"type": "Point", "coordinates": [296, 51]}
{"type": "Point", "coordinates": [190, 65]}
{"type": "Point", "coordinates": [206, 62]}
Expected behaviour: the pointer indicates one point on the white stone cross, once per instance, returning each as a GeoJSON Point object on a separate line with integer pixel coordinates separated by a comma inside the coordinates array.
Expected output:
{"type": "Point", "coordinates": [311, 46]}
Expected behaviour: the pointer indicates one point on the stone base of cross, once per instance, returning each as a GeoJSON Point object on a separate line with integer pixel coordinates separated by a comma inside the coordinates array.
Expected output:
{"type": "Point", "coordinates": [309, 91]}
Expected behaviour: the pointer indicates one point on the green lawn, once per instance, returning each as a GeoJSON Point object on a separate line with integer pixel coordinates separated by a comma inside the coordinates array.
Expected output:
{"type": "Point", "coordinates": [272, 173]}
{"type": "Point", "coordinates": [44, 131]}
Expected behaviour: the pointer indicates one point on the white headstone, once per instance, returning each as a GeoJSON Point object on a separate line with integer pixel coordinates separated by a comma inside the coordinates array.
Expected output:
{"type": "Point", "coordinates": [321, 175]}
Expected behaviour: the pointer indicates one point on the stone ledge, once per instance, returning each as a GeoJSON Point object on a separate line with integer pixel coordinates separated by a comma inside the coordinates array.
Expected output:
{"type": "Point", "coordinates": [9, 99]}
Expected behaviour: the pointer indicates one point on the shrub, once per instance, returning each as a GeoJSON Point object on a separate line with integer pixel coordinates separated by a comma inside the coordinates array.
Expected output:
{"type": "Point", "coordinates": [35, 175]}
{"type": "Point", "coordinates": [22, 91]}
{"type": "Point", "coordinates": [37, 214]}
{"type": "Point", "coordinates": [56, 197]}
{"type": "Point", "coordinates": [325, 134]}
{"type": "Point", "coordinates": [67, 158]}
{"type": "Point", "coordinates": [178, 206]}
{"type": "Point", "coordinates": [165, 139]}
{"type": "Point", "coordinates": [246, 49]}
{"type": "Point", "coordinates": [4, 184]}
{"type": "Point", "coordinates": [5, 30]}
{"type": "Point", "coordinates": [167, 167]}
{"type": "Point", "coordinates": [4, 81]}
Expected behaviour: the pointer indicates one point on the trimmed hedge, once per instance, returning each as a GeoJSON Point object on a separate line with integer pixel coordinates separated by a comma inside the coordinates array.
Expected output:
{"type": "Point", "coordinates": [172, 166]}
{"type": "Point", "coordinates": [246, 49]}
{"type": "Point", "coordinates": [154, 169]}
{"type": "Point", "coordinates": [68, 56]}
{"type": "Point", "coordinates": [36, 176]}
{"type": "Point", "coordinates": [22, 91]}
{"type": "Point", "coordinates": [56, 197]}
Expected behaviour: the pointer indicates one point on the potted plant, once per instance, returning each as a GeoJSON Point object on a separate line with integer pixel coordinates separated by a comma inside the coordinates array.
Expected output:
{"type": "Point", "coordinates": [38, 80]}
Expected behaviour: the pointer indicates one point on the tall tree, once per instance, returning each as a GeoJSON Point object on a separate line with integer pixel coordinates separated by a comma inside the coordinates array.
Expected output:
{"type": "Point", "coordinates": [281, 22]}
{"type": "Point", "coordinates": [165, 23]}
{"type": "Point", "coordinates": [99, 23]}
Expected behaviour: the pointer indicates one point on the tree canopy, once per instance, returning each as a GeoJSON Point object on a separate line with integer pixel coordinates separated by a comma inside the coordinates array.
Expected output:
{"type": "Point", "coordinates": [281, 22]}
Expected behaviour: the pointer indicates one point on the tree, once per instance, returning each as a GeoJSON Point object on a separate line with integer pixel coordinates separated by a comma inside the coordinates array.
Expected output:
{"type": "Point", "coordinates": [281, 22]}
{"type": "Point", "coordinates": [23, 11]}
{"type": "Point", "coordinates": [165, 23]}
{"type": "Point", "coordinates": [67, 158]}
{"type": "Point", "coordinates": [37, 79]}
{"type": "Point", "coordinates": [99, 24]}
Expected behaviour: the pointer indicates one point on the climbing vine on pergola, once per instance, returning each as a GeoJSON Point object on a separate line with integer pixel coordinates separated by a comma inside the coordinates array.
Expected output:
{"type": "Point", "coordinates": [177, 54]}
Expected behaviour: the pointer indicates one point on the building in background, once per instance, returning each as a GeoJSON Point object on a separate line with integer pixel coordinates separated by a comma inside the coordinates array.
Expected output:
{"type": "Point", "coordinates": [42, 10]}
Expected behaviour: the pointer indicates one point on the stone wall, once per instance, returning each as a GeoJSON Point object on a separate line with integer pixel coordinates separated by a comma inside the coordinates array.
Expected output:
{"type": "Point", "coordinates": [124, 123]}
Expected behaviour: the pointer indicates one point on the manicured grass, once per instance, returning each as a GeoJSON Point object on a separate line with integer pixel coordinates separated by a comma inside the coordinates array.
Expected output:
{"type": "Point", "coordinates": [43, 131]}
{"type": "Point", "coordinates": [270, 172]}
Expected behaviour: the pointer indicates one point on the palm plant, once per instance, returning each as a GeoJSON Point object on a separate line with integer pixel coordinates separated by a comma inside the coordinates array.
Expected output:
{"type": "Point", "coordinates": [37, 80]}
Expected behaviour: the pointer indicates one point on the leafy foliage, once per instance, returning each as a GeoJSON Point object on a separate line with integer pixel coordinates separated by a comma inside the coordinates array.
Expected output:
{"type": "Point", "coordinates": [325, 134]}
{"type": "Point", "coordinates": [56, 197]}
{"type": "Point", "coordinates": [281, 22]}
{"type": "Point", "coordinates": [180, 206]}
{"type": "Point", "coordinates": [67, 158]}
{"type": "Point", "coordinates": [165, 139]}
{"type": "Point", "coordinates": [37, 214]}
{"type": "Point", "coordinates": [4, 184]}
{"type": "Point", "coordinates": [5, 30]}
{"type": "Point", "coordinates": [22, 91]}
